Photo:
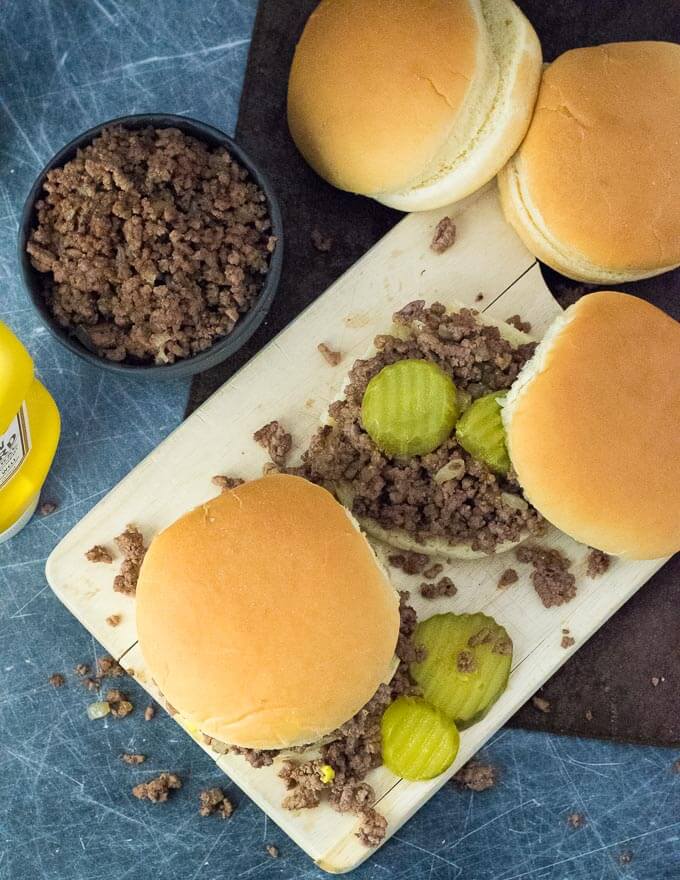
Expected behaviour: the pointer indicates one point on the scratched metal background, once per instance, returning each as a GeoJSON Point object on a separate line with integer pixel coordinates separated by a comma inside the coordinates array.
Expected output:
{"type": "Point", "coordinates": [66, 812]}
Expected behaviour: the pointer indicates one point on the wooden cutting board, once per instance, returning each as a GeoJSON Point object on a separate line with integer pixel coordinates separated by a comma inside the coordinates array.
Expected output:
{"type": "Point", "coordinates": [606, 690]}
{"type": "Point", "coordinates": [288, 380]}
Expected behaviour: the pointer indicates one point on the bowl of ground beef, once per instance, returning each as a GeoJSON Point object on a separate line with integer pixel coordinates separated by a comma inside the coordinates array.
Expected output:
{"type": "Point", "coordinates": [152, 245]}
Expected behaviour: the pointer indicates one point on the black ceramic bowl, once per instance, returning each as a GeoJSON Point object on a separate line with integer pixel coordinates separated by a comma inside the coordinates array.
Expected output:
{"type": "Point", "coordinates": [246, 325]}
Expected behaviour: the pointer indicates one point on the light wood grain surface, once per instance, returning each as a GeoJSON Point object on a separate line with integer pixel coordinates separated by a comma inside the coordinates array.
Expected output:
{"type": "Point", "coordinates": [288, 380]}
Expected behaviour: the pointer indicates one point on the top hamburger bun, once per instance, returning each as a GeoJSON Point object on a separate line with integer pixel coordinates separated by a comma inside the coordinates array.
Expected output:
{"type": "Point", "coordinates": [264, 616]}
{"type": "Point", "coordinates": [593, 426]}
{"type": "Point", "coordinates": [594, 190]}
{"type": "Point", "coordinates": [415, 104]}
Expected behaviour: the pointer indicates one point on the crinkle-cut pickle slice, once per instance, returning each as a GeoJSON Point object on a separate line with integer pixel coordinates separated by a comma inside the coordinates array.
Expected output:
{"type": "Point", "coordinates": [409, 408]}
{"type": "Point", "coordinates": [480, 432]}
{"type": "Point", "coordinates": [467, 664]}
{"type": "Point", "coordinates": [418, 741]}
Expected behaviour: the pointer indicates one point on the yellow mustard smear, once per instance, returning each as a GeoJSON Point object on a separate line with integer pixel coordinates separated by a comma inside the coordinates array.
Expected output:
{"type": "Point", "coordinates": [29, 433]}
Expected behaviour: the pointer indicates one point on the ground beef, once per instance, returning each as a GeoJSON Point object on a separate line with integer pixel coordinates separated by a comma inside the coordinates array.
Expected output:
{"type": "Point", "coordinates": [98, 554]}
{"type": "Point", "coordinates": [551, 577]}
{"type": "Point", "coordinates": [81, 669]}
{"type": "Point", "coordinates": [149, 713]}
{"type": "Point", "coordinates": [329, 355]}
{"type": "Point", "coordinates": [107, 667]}
{"type": "Point", "coordinates": [304, 783]}
{"type": "Point", "coordinates": [119, 703]}
{"type": "Point", "coordinates": [625, 857]}
{"type": "Point", "coordinates": [131, 545]}
{"type": "Point", "coordinates": [321, 241]}
{"type": "Point", "coordinates": [508, 578]}
{"type": "Point", "coordinates": [157, 790]}
{"type": "Point", "coordinates": [433, 571]}
{"type": "Point", "coordinates": [57, 680]}
{"type": "Point", "coordinates": [255, 757]}
{"type": "Point", "coordinates": [469, 509]}
{"type": "Point", "coordinates": [214, 800]}
{"type": "Point", "coordinates": [372, 828]}
{"type": "Point", "coordinates": [476, 776]}
{"type": "Point", "coordinates": [152, 243]}
{"type": "Point", "coordinates": [114, 619]}
{"type": "Point", "coordinates": [466, 662]}
{"type": "Point", "coordinates": [567, 639]}
{"type": "Point", "coordinates": [576, 820]}
{"type": "Point", "coordinates": [444, 235]}
{"type": "Point", "coordinates": [276, 440]}
{"type": "Point", "coordinates": [272, 851]}
{"type": "Point", "coordinates": [133, 759]}
{"type": "Point", "coordinates": [408, 561]}
{"type": "Point", "coordinates": [443, 587]}
{"type": "Point", "coordinates": [518, 323]}
{"type": "Point", "coordinates": [226, 484]}
{"type": "Point", "coordinates": [47, 508]}
{"type": "Point", "coordinates": [597, 563]}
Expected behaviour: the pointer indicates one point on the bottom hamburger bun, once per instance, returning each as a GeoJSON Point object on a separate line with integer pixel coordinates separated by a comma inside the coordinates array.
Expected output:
{"type": "Point", "coordinates": [264, 616]}
{"type": "Point", "coordinates": [593, 426]}
{"type": "Point", "coordinates": [399, 538]}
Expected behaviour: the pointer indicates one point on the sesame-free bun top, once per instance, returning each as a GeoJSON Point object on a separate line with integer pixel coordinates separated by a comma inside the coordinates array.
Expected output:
{"type": "Point", "coordinates": [593, 426]}
{"type": "Point", "coordinates": [414, 103]}
{"type": "Point", "coordinates": [594, 190]}
{"type": "Point", "coordinates": [264, 616]}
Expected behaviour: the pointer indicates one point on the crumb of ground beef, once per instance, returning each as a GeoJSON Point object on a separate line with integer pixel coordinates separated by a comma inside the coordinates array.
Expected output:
{"type": "Point", "coordinates": [517, 322]}
{"type": "Point", "coordinates": [119, 703]}
{"type": "Point", "coordinates": [597, 563]}
{"type": "Point", "coordinates": [331, 356]}
{"type": "Point", "coordinates": [107, 667]}
{"type": "Point", "coordinates": [589, 715]}
{"type": "Point", "coordinates": [92, 683]}
{"type": "Point", "coordinates": [404, 494]}
{"type": "Point", "coordinates": [214, 800]}
{"type": "Point", "coordinates": [98, 554]}
{"type": "Point", "coordinates": [149, 713]}
{"type": "Point", "coordinates": [276, 440]}
{"type": "Point", "coordinates": [567, 641]}
{"type": "Point", "coordinates": [157, 790]}
{"type": "Point", "coordinates": [81, 669]}
{"type": "Point", "coordinates": [433, 571]}
{"type": "Point", "coordinates": [303, 782]}
{"type": "Point", "coordinates": [272, 851]}
{"type": "Point", "coordinates": [476, 776]}
{"type": "Point", "coordinates": [321, 241]}
{"type": "Point", "coordinates": [226, 483]}
{"type": "Point", "coordinates": [541, 704]}
{"type": "Point", "coordinates": [47, 508]}
{"type": "Point", "coordinates": [255, 757]}
{"type": "Point", "coordinates": [408, 561]}
{"type": "Point", "coordinates": [152, 244]}
{"type": "Point", "coordinates": [483, 637]}
{"type": "Point", "coordinates": [479, 297]}
{"type": "Point", "coordinates": [551, 577]}
{"type": "Point", "coordinates": [444, 235]}
{"type": "Point", "coordinates": [372, 828]}
{"type": "Point", "coordinates": [576, 820]}
{"type": "Point", "coordinates": [443, 587]}
{"type": "Point", "coordinates": [625, 857]}
{"type": "Point", "coordinates": [466, 661]}
{"type": "Point", "coordinates": [502, 645]}
{"type": "Point", "coordinates": [57, 679]}
{"type": "Point", "coordinates": [508, 578]}
{"type": "Point", "coordinates": [114, 619]}
{"type": "Point", "coordinates": [131, 545]}
{"type": "Point", "coordinates": [130, 758]}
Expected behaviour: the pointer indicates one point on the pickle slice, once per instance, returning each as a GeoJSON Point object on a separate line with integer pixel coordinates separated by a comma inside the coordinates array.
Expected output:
{"type": "Point", "coordinates": [418, 741]}
{"type": "Point", "coordinates": [409, 408]}
{"type": "Point", "coordinates": [480, 432]}
{"type": "Point", "coordinates": [467, 664]}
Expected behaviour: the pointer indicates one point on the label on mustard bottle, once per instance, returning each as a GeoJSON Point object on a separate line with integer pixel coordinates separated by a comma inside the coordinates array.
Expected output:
{"type": "Point", "coordinates": [15, 444]}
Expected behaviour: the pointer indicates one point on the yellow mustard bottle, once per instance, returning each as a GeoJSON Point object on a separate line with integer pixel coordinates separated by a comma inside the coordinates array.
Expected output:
{"type": "Point", "coordinates": [29, 433]}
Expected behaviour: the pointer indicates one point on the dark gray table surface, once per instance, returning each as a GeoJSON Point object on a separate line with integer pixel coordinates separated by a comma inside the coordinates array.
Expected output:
{"type": "Point", "coordinates": [66, 810]}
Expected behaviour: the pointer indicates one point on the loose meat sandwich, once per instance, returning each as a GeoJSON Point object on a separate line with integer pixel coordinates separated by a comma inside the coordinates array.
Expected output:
{"type": "Point", "coordinates": [457, 437]}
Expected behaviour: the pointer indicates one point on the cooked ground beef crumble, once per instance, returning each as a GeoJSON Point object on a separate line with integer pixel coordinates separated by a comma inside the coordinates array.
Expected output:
{"type": "Point", "coordinates": [276, 440]}
{"type": "Point", "coordinates": [551, 577]}
{"type": "Point", "coordinates": [225, 483]}
{"type": "Point", "coordinates": [476, 776]}
{"type": "Point", "coordinates": [157, 790]}
{"type": "Point", "coordinates": [471, 509]}
{"type": "Point", "coordinates": [597, 563]}
{"type": "Point", "coordinates": [507, 579]}
{"type": "Point", "coordinates": [214, 800]}
{"type": "Point", "coordinates": [131, 545]}
{"type": "Point", "coordinates": [442, 588]}
{"type": "Point", "coordinates": [99, 554]}
{"type": "Point", "coordinates": [152, 243]}
{"type": "Point", "coordinates": [409, 562]}
{"type": "Point", "coordinates": [444, 235]}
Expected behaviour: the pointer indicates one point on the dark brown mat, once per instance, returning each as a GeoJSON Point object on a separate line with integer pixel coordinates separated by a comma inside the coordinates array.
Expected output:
{"type": "Point", "coordinates": [607, 689]}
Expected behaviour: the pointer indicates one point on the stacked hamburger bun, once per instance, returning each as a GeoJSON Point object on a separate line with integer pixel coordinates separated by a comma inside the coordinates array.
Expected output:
{"type": "Point", "coordinates": [594, 190]}
{"type": "Point", "coordinates": [415, 104]}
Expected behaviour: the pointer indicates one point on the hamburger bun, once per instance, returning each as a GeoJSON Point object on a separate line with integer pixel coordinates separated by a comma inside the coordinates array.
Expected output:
{"type": "Point", "coordinates": [594, 190]}
{"type": "Point", "coordinates": [415, 104]}
{"type": "Point", "coordinates": [593, 426]}
{"type": "Point", "coordinates": [400, 538]}
{"type": "Point", "coordinates": [264, 616]}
